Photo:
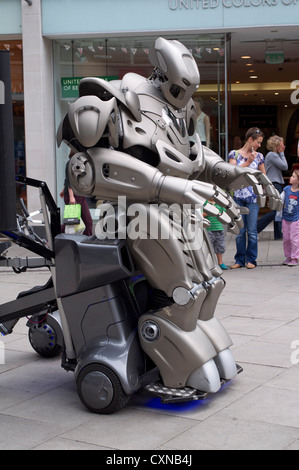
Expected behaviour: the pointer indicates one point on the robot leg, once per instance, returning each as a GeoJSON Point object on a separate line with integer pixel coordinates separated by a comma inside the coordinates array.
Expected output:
{"type": "Point", "coordinates": [171, 336]}
{"type": "Point", "coordinates": [206, 262]}
{"type": "Point", "coordinates": [184, 358]}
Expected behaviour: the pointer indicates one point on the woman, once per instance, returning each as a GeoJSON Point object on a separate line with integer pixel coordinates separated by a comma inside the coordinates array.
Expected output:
{"type": "Point", "coordinates": [70, 198]}
{"type": "Point", "coordinates": [248, 156]}
{"type": "Point", "coordinates": [275, 163]}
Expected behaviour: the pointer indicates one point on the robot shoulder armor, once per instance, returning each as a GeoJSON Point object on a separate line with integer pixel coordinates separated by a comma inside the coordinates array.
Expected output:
{"type": "Point", "coordinates": [132, 81]}
{"type": "Point", "coordinates": [101, 88]}
{"type": "Point", "coordinates": [89, 116]}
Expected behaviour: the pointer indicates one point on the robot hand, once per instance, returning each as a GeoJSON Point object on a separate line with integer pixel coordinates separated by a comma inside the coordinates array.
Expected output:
{"type": "Point", "coordinates": [233, 211]}
{"type": "Point", "coordinates": [177, 190]}
{"type": "Point", "coordinates": [235, 177]}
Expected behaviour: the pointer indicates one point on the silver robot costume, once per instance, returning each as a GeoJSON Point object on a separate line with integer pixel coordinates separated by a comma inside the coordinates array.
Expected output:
{"type": "Point", "coordinates": [131, 139]}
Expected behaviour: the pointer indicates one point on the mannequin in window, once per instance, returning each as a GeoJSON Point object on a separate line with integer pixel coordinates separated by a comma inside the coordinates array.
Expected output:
{"type": "Point", "coordinates": [202, 124]}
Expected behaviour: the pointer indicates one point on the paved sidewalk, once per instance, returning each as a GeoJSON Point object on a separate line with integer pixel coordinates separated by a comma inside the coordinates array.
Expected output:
{"type": "Point", "coordinates": [40, 408]}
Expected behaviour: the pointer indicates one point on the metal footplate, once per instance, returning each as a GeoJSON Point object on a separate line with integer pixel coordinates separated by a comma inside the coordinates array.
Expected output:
{"type": "Point", "coordinates": [171, 395]}
{"type": "Point", "coordinates": [175, 395]}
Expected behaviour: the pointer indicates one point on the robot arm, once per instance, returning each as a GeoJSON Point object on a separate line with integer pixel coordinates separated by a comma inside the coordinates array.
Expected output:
{"type": "Point", "coordinates": [108, 173]}
{"type": "Point", "coordinates": [231, 177]}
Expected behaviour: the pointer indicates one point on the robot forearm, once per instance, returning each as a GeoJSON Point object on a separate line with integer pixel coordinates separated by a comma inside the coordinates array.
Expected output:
{"type": "Point", "coordinates": [221, 173]}
{"type": "Point", "coordinates": [108, 174]}
{"type": "Point", "coordinates": [229, 177]}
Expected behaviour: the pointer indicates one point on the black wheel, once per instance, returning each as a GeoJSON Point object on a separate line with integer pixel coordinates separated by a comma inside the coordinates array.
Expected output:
{"type": "Point", "coordinates": [100, 390]}
{"type": "Point", "coordinates": [43, 338]}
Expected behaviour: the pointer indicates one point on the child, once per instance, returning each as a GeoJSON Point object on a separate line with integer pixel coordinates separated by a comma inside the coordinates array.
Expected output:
{"type": "Point", "coordinates": [217, 235]}
{"type": "Point", "coordinates": [290, 220]}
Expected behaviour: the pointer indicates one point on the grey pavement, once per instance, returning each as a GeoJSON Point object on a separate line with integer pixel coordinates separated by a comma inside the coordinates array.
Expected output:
{"type": "Point", "coordinates": [40, 408]}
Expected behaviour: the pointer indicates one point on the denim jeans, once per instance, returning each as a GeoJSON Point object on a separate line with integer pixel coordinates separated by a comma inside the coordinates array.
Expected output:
{"type": "Point", "coordinates": [246, 241]}
{"type": "Point", "coordinates": [264, 221]}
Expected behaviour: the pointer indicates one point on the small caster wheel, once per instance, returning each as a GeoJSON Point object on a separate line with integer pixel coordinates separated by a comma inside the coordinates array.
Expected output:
{"type": "Point", "coordinates": [43, 339]}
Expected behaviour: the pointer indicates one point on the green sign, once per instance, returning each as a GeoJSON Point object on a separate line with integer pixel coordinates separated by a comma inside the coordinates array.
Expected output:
{"type": "Point", "coordinates": [274, 57]}
{"type": "Point", "coordinates": [70, 85]}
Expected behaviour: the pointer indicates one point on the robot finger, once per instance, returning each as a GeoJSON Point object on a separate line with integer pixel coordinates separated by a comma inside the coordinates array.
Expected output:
{"type": "Point", "coordinates": [233, 210]}
{"type": "Point", "coordinates": [244, 210]}
{"type": "Point", "coordinates": [279, 205]}
{"type": "Point", "coordinates": [233, 228]}
{"type": "Point", "coordinates": [221, 198]}
{"type": "Point", "coordinates": [211, 210]}
{"type": "Point", "coordinates": [271, 191]}
{"type": "Point", "coordinates": [205, 190]}
{"type": "Point", "coordinates": [224, 218]}
{"type": "Point", "coordinates": [236, 225]}
{"type": "Point", "coordinates": [206, 223]}
{"type": "Point", "coordinates": [275, 203]}
{"type": "Point", "coordinates": [261, 200]}
{"type": "Point", "coordinates": [264, 180]}
{"type": "Point", "coordinates": [277, 198]}
{"type": "Point", "coordinates": [253, 181]}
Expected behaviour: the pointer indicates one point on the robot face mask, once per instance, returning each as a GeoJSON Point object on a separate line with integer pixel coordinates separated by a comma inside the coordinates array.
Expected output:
{"type": "Point", "coordinates": [179, 70]}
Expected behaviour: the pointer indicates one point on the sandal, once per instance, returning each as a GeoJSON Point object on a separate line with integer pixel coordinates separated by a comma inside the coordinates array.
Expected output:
{"type": "Point", "coordinates": [236, 266]}
{"type": "Point", "coordinates": [250, 266]}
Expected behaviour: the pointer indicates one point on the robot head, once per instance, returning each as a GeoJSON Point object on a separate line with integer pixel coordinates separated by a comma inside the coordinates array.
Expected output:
{"type": "Point", "coordinates": [179, 75]}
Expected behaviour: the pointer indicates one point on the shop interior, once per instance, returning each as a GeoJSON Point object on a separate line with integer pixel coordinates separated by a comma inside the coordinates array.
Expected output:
{"type": "Point", "coordinates": [263, 74]}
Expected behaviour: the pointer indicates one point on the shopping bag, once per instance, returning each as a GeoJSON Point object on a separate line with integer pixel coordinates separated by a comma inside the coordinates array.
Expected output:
{"type": "Point", "coordinates": [77, 229]}
{"type": "Point", "coordinates": [72, 214]}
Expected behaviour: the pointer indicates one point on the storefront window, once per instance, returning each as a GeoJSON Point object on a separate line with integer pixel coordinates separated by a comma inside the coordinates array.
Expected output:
{"type": "Point", "coordinates": [112, 58]}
